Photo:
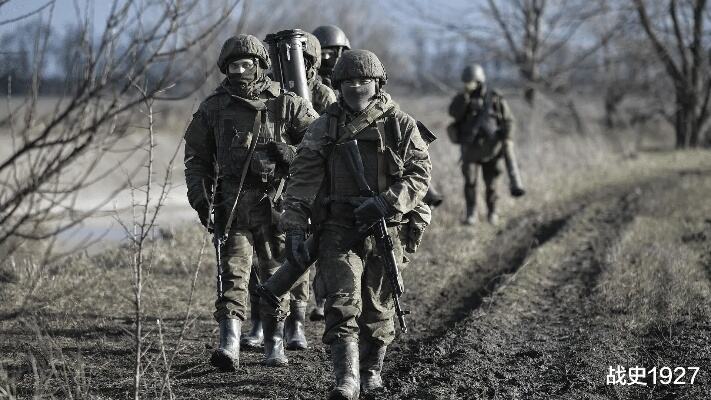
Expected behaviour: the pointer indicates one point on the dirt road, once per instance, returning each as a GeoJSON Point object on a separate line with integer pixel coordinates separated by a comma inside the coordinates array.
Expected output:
{"type": "Point", "coordinates": [539, 308]}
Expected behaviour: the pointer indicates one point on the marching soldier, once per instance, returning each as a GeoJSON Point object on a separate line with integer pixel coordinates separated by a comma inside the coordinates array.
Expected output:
{"type": "Point", "coordinates": [483, 126]}
{"type": "Point", "coordinates": [333, 43]}
{"type": "Point", "coordinates": [359, 308]}
{"type": "Point", "coordinates": [243, 137]}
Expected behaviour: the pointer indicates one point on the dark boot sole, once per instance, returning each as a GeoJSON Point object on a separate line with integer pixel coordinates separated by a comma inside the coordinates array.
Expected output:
{"type": "Point", "coordinates": [342, 395]}
{"type": "Point", "coordinates": [276, 363]}
{"type": "Point", "coordinates": [297, 346]}
{"type": "Point", "coordinates": [251, 344]}
{"type": "Point", "coordinates": [316, 316]}
{"type": "Point", "coordinates": [223, 362]}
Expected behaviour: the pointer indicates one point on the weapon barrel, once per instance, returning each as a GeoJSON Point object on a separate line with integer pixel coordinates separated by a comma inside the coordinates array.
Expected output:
{"type": "Point", "coordinates": [286, 48]}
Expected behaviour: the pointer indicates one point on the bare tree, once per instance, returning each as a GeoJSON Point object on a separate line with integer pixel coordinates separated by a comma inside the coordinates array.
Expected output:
{"type": "Point", "coordinates": [545, 41]}
{"type": "Point", "coordinates": [681, 44]}
{"type": "Point", "coordinates": [53, 156]}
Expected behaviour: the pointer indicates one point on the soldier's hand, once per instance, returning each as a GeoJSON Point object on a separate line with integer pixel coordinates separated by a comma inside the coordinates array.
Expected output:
{"type": "Point", "coordinates": [281, 152]}
{"type": "Point", "coordinates": [372, 209]}
{"type": "Point", "coordinates": [296, 251]}
{"type": "Point", "coordinates": [517, 191]}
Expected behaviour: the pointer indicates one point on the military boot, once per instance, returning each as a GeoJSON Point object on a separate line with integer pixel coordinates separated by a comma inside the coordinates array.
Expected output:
{"type": "Point", "coordinates": [345, 366]}
{"type": "Point", "coordinates": [294, 326]}
{"type": "Point", "coordinates": [491, 214]}
{"type": "Point", "coordinates": [255, 337]}
{"type": "Point", "coordinates": [317, 314]}
{"type": "Point", "coordinates": [371, 364]}
{"type": "Point", "coordinates": [470, 219]}
{"type": "Point", "coordinates": [226, 357]}
{"type": "Point", "coordinates": [273, 342]}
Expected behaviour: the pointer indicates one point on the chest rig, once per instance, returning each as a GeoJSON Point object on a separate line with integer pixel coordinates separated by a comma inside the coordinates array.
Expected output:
{"type": "Point", "coordinates": [239, 121]}
{"type": "Point", "coordinates": [378, 143]}
{"type": "Point", "coordinates": [481, 120]}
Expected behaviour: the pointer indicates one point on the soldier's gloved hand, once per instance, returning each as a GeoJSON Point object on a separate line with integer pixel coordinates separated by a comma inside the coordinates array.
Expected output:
{"type": "Point", "coordinates": [295, 248]}
{"type": "Point", "coordinates": [372, 209]}
{"type": "Point", "coordinates": [517, 191]}
{"type": "Point", "coordinates": [281, 152]}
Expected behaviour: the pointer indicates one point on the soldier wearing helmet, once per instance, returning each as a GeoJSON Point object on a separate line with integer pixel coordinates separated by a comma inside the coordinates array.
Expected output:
{"type": "Point", "coordinates": [321, 97]}
{"type": "Point", "coordinates": [333, 43]}
{"type": "Point", "coordinates": [243, 138]}
{"type": "Point", "coordinates": [483, 126]}
{"type": "Point", "coordinates": [359, 308]}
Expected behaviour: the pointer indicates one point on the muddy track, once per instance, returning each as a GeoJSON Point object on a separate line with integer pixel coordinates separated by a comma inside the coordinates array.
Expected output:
{"type": "Point", "coordinates": [524, 329]}
{"type": "Point", "coordinates": [513, 316]}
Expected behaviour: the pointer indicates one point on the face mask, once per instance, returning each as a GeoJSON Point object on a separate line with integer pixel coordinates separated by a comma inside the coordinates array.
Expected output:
{"type": "Point", "coordinates": [244, 73]}
{"type": "Point", "coordinates": [242, 78]}
{"type": "Point", "coordinates": [357, 98]}
{"type": "Point", "coordinates": [471, 86]}
{"type": "Point", "coordinates": [328, 59]}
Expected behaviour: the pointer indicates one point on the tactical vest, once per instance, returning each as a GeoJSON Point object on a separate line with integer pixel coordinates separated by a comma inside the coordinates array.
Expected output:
{"type": "Point", "coordinates": [236, 122]}
{"type": "Point", "coordinates": [379, 144]}
{"type": "Point", "coordinates": [484, 130]}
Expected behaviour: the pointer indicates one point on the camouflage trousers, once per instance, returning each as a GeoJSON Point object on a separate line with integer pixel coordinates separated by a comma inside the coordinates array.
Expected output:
{"type": "Point", "coordinates": [262, 240]}
{"type": "Point", "coordinates": [358, 294]}
{"type": "Point", "coordinates": [490, 171]}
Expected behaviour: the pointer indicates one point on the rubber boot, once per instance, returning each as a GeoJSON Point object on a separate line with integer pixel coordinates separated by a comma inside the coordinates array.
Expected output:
{"type": "Point", "coordinates": [317, 314]}
{"type": "Point", "coordinates": [294, 326]}
{"type": "Point", "coordinates": [371, 365]}
{"type": "Point", "coordinates": [226, 357]}
{"type": "Point", "coordinates": [255, 338]}
{"type": "Point", "coordinates": [345, 367]}
{"type": "Point", "coordinates": [273, 342]}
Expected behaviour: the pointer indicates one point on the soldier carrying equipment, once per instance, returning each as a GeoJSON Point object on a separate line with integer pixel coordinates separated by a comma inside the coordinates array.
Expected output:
{"type": "Point", "coordinates": [483, 126]}
{"type": "Point", "coordinates": [243, 137]}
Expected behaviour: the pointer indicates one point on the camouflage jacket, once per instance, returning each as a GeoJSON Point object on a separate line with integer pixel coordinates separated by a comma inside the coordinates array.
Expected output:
{"type": "Point", "coordinates": [486, 143]}
{"type": "Point", "coordinates": [218, 138]}
{"type": "Point", "coordinates": [400, 153]}
{"type": "Point", "coordinates": [322, 96]}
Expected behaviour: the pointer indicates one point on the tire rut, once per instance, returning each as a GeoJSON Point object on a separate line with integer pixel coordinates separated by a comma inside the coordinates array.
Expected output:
{"type": "Point", "coordinates": [598, 221]}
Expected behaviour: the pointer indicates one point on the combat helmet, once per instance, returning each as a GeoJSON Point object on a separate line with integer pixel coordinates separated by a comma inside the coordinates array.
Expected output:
{"type": "Point", "coordinates": [358, 64]}
{"type": "Point", "coordinates": [473, 73]}
{"type": "Point", "coordinates": [312, 49]}
{"type": "Point", "coordinates": [332, 36]}
{"type": "Point", "coordinates": [242, 46]}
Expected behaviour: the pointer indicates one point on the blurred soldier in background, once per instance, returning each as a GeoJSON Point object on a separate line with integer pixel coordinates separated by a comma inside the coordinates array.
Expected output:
{"type": "Point", "coordinates": [359, 307]}
{"type": "Point", "coordinates": [483, 126]}
{"type": "Point", "coordinates": [333, 43]}
{"type": "Point", "coordinates": [243, 137]}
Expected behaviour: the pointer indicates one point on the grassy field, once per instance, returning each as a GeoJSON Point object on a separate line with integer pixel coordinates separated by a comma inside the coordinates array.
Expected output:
{"type": "Point", "coordinates": [606, 261]}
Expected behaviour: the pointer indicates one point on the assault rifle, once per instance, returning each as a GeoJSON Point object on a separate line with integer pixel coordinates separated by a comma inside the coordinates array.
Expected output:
{"type": "Point", "coordinates": [378, 230]}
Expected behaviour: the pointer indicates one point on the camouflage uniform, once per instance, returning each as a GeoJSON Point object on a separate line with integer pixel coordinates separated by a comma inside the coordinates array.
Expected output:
{"type": "Point", "coordinates": [359, 305]}
{"type": "Point", "coordinates": [321, 97]}
{"type": "Point", "coordinates": [218, 138]}
{"type": "Point", "coordinates": [481, 150]}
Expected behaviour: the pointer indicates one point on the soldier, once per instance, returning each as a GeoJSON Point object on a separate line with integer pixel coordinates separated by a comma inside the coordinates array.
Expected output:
{"type": "Point", "coordinates": [321, 97]}
{"type": "Point", "coordinates": [483, 125]}
{"type": "Point", "coordinates": [333, 43]}
{"type": "Point", "coordinates": [243, 136]}
{"type": "Point", "coordinates": [294, 335]}
{"type": "Point", "coordinates": [359, 307]}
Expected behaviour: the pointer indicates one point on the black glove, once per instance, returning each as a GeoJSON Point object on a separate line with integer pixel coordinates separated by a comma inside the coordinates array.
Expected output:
{"type": "Point", "coordinates": [282, 153]}
{"type": "Point", "coordinates": [372, 209]}
{"type": "Point", "coordinates": [296, 251]}
{"type": "Point", "coordinates": [517, 191]}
